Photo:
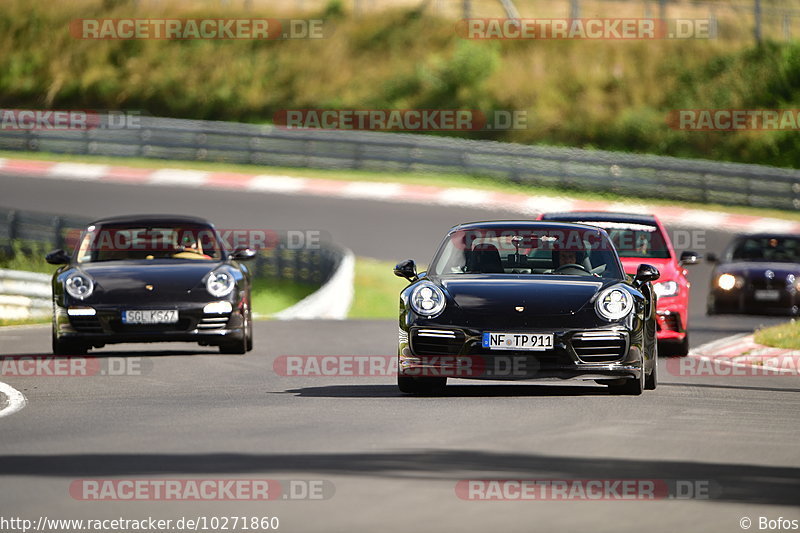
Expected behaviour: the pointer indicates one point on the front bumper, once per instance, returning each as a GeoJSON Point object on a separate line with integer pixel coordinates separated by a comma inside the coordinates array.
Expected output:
{"type": "Point", "coordinates": [744, 300]}
{"type": "Point", "coordinates": [672, 315]}
{"type": "Point", "coordinates": [595, 354]}
{"type": "Point", "coordinates": [106, 326]}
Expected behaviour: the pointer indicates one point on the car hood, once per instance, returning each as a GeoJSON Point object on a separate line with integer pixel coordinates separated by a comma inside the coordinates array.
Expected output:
{"type": "Point", "coordinates": [173, 276]}
{"type": "Point", "coordinates": [758, 268]}
{"type": "Point", "coordinates": [489, 295]}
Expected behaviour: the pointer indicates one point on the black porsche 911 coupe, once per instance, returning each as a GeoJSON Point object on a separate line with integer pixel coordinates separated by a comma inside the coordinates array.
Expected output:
{"type": "Point", "coordinates": [508, 300]}
{"type": "Point", "coordinates": [151, 279]}
{"type": "Point", "coordinates": [758, 273]}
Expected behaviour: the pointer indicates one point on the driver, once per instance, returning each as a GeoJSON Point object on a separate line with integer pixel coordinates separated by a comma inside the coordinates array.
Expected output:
{"type": "Point", "coordinates": [190, 248]}
{"type": "Point", "coordinates": [565, 257]}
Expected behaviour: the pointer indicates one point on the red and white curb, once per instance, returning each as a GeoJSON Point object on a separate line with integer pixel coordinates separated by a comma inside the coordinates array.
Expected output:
{"type": "Point", "coordinates": [743, 352]}
{"type": "Point", "coordinates": [527, 205]}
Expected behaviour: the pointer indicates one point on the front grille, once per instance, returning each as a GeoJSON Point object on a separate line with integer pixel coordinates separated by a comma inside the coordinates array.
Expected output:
{"type": "Point", "coordinates": [213, 321]}
{"type": "Point", "coordinates": [430, 341]}
{"type": "Point", "coordinates": [599, 346]}
{"type": "Point", "coordinates": [86, 324]}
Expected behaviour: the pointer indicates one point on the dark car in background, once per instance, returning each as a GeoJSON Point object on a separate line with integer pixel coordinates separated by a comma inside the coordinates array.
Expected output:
{"type": "Point", "coordinates": [151, 279]}
{"type": "Point", "coordinates": [758, 274]}
{"type": "Point", "coordinates": [520, 300]}
{"type": "Point", "coordinates": [642, 238]}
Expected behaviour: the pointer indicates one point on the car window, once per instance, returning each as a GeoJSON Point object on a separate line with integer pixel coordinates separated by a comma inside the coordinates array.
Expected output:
{"type": "Point", "coordinates": [635, 240]}
{"type": "Point", "coordinates": [128, 242]}
{"type": "Point", "coordinates": [777, 249]}
{"type": "Point", "coordinates": [522, 251]}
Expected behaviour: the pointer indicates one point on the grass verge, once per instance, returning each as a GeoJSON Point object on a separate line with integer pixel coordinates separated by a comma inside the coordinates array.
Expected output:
{"type": "Point", "coordinates": [270, 296]}
{"type": "Point", "coordinates": [780, 336]}
{"type": "Point", "coordinates": [377, 290]}
{"type": "Point", "coordinates": [439, 180]}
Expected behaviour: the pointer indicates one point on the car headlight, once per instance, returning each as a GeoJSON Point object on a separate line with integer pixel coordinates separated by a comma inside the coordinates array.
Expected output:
{"type": "Point", "coordinates": [614, 303]}
{"type": "Point", "coordinates": [427, 300]}
{"type": "Point", "coordinates": [666, 288]}
{"type": "Point", "coordinates": [727, 282]}
{"type": "Point", "coordinates": [79, 286]}
{"type": "Point", "coordinates": [220, 283]}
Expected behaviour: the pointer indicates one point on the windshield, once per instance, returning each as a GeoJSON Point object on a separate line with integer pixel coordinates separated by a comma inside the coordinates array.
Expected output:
{"type": "Point", "coordinates": [777, 249]}
{"type": "Point", "coordinates": [523, 251]}
{"type": "Point", "coordinates": [635, 240]}
{"type": "Point", "coordinates": [137, 242]}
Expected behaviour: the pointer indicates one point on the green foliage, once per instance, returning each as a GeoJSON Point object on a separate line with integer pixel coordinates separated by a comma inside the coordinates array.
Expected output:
{"type": "Point", "coordinates": [25, 255]}
{"type": "Point", "coordinates": [603, 94]}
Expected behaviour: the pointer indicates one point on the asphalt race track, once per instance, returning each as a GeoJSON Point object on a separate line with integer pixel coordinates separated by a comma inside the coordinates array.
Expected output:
{"type": "Point", "coordinates": [393, 461]}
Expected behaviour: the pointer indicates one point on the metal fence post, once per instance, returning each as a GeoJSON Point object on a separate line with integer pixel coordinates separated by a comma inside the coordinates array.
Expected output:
{"type": "Point", "coordinates": [58, 238]}
{"type": "Point", "coordinates": [757, 17]}
{"type": "Point", "coordinates": [575, 9]}
{"type": "Point", "coordinates": [787, 27]}
{"type": "Point", "coordinates": [12, 222]}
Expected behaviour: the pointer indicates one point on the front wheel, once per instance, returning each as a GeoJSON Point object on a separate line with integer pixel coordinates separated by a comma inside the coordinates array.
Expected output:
{"type": "Point", "coordinates": [413, 385]}
{"type": "Point", "coordinates": [633, 386]}
{"type": "Point", "coordinates": [651, 381]}
{"type": "Point", "coordinates": [683, 348]}
{"type": "Point", "coordinates": [68, 347]}
{"type": "Point", "coordinates": [249, 331]}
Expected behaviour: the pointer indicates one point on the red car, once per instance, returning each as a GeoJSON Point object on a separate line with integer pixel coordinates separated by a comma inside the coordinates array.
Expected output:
{"type": "Point", "coordinates": [642, 238]}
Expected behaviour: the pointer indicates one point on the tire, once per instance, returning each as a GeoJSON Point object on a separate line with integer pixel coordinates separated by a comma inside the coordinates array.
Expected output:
{"type": "Point", "coordinates": [711, 307]}
{"type": "Point", "coordinates": [631, 387]}
{"type": "Point", "coordinates": [651, 381]}
{"type": "Point", "coordinates": [243, 345]}
{"type": "Point", "coordinates": [64, 347]}
{"type": "Point", "coordinates": [682, 348]}
{"type": "Point", "coordinates": [413, 385]}
{"type": "Point", "coordinates": [249, 331]}
{"type": "Point", "coordinates": [237, 347]}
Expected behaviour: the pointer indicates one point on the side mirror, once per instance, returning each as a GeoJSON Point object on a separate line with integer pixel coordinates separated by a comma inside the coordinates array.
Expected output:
{"type": "Point", "coordinates": [406, 269]}
{"type": "Point", "coordinates": [646, 273]}
{"type": "Point", "coordinates": [689, 258]}
{"type": "Point", "coordinates": [711, 257]}
{"type": "Point", "coordinates": [57, 257]}
{"type": "Point", "coordinates": [243, 254]}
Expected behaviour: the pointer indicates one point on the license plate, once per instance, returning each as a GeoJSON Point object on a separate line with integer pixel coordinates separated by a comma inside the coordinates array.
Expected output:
{"type": "Point", "coordinates": [518, 341]}
{"type": "Point", "coordinates": [152, 316]}
{"type": "Point", "coordinates": [768, 295]}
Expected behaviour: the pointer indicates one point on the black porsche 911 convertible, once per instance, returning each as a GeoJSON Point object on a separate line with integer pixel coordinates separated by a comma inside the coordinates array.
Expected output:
{"type": "Point", "coordinates": [508, 300]}
{"type": "Point", "coordinates": [151, 279]}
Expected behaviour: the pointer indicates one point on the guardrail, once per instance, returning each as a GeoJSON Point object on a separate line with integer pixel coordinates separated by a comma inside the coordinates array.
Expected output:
{"type": "Point", "coordinates": [24, 295]}
{"type": "Point", "coordinates": [624, 174]}
{"type": "Point", "coordinates": [21, 293]}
